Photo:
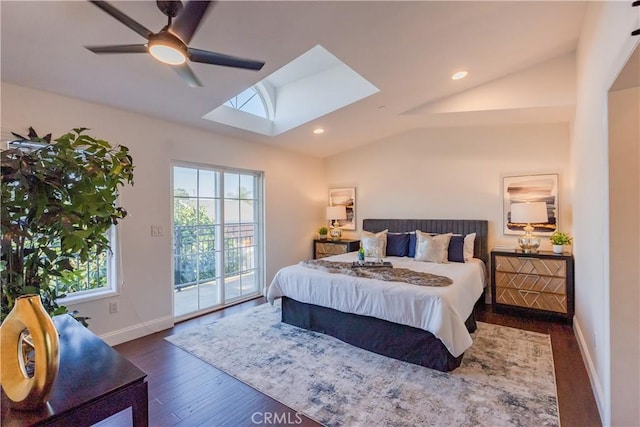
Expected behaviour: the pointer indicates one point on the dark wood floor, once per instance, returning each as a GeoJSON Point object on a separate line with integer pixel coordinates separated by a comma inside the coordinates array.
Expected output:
{"type": "Point", "coordinates": [184, 391]}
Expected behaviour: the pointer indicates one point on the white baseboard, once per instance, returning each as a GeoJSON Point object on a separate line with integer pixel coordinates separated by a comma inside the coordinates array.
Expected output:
{"type": "Point", "coordinates": [591, 369]}
{"type": "Point", "coordinates": [137, 331]}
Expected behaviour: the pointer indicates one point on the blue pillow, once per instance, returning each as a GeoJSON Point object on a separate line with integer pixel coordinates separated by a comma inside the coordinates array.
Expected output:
{"type": "Point", "coordinates": [397, 244]}
{"type": "Point", "coordinates": [412, 245]}
{"type": "Point", "coordinates": [456, 249]}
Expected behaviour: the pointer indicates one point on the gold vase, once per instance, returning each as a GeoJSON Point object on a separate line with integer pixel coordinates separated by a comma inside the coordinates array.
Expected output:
{"type": "Point", "coordinates": [29, 348]}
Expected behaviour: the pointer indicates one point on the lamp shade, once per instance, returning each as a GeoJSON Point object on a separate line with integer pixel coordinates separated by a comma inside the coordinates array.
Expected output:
{"type": "Point", "coordinates": [529, 212]}
{"type": "Point", "coordinates": [337, 212]}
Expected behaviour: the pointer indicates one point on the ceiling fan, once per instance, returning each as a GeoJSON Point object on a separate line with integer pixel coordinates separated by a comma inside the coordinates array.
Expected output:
{"type": "Point", "coordinates": [170, 44]}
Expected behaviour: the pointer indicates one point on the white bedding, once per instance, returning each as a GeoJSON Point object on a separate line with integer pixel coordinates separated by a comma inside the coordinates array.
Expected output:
{"type": "Point", "coordinates": [439, 310]}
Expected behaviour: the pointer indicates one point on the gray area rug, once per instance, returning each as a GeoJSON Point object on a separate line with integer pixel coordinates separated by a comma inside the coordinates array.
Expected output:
{"type": "Point", "coordinates": [506, 377]}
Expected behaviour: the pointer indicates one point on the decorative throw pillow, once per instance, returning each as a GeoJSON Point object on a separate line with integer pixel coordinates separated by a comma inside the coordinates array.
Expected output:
{"type": "Point", "coordinates": [469, 242]}
{"type": "Point", "coordinates": [412, 245]}
{"type": "Point", "coordinates": [397, 244]}
{"type": "Point", "coordinates": [373, 242]}
{"type": "Point", "coordinates": [456, 248]}
{"type": "Point", "coordinates": [432, 248]}
{"type": "Point", "coordinates": [373, 246]}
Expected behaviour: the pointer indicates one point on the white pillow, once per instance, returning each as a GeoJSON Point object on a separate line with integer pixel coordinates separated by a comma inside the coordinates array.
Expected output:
{"type": "Point", "coordinates": [432, 248]}
{"type": "Point", "coordinates": [467, 250]}
{"type": "Point", "coordinates": [372, 242]}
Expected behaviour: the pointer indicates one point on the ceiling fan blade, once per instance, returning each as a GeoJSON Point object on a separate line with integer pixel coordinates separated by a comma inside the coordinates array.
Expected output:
{"type": "Point", "coordinates": [187, 75]}
{"type": "Point", "coordinates": [206, 57]}
{"type": "Point", "coordinates": [119, 48]}
{"type": "Point", "coordinates": [187, 22]}
{"type": "Point", "coordinates": [126, 20]}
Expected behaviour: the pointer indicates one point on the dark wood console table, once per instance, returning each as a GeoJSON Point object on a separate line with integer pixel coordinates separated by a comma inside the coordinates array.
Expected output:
{"type": "Point", "coordinates": [94, 382]}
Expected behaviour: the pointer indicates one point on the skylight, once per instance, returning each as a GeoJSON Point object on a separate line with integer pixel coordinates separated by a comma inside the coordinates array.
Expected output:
{"type": "Point", "coordinates": [311, 86]}
{"type": "Point", "coordinates": [250, 101]}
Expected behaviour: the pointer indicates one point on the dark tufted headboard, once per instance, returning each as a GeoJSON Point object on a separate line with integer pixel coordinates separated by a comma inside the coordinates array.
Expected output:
{"type": "Point", "coordinates": [458, 226]}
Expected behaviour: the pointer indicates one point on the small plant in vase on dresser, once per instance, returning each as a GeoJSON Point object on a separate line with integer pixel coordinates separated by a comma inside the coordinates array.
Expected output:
{"type": "Point", "coordinates": [558, 240]}
{"type": "Point", "coordinates": [322, 232]}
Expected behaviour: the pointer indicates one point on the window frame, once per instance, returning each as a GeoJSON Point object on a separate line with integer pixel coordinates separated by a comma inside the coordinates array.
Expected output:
{"type": "Point", "coordinates": [113, 267]}
{"type": "Point", "coordinates": [263, 95]}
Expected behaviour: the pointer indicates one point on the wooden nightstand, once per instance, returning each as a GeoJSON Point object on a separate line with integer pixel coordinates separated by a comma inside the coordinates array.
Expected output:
{"type": "Point", "coordinates": [539, 284]}
{"type": "Point", "coordinates": [324, 248]}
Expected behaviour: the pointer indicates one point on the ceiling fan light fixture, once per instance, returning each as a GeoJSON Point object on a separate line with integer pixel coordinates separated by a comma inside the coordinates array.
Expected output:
{"type": "Point", "coordinates": [166, 49]}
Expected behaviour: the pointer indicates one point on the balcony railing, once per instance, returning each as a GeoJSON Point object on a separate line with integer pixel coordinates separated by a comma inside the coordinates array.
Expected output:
{"type": "Point", "coordinates": [195, 252]}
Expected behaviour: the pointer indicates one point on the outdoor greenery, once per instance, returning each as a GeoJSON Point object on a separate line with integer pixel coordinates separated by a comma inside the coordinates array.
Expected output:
{"type": "Point", "coordinates": [560, 238]}
{"type": "Point", "coordinates": [59, 200]}
{"type": "Point", "coordinates": [84, 276]}
{"type": "Point", "coordinates": [194, 233]}
{"type": "Point", "coordinates": [195, 242]}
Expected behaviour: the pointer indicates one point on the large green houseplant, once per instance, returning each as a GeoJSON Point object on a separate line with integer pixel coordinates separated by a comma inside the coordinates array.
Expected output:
{"type": "Point", "coordinates": [59, 199]}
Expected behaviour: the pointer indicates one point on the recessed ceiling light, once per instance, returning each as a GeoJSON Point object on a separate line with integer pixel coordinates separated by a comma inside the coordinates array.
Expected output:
{"type": "Point", "coordinates": [318, 131]}
{"type": "Point", "coordinates": [459, 75]}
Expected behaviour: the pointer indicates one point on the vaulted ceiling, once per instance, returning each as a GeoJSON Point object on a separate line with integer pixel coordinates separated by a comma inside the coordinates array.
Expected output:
{"type": "Point", "coordinates": [519, 56]}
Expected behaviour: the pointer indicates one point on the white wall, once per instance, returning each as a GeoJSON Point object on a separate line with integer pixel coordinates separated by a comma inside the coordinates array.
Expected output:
{"type": "Point", "coordinates": [604, 46]}
{"type": "Point", "coordinates": [453, 173]}
{"type": "Point", "coordinates": [624, 267]}
{"type": "Point", "coordinates": [295, 194]}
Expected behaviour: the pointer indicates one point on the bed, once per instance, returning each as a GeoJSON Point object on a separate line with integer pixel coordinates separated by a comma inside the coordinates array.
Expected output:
{"type": "Point", "coordinates": [428, 326]}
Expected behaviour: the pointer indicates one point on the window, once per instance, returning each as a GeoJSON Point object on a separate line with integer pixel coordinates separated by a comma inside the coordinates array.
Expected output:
{"type": "Point", "coordinates": [88, 280]}
{"type": "Point", "coordinates": [250, 101]}
{"type": "Point", "coordinates": [96, 277]}
{"type": "Point", "coordinates": [217, 241]}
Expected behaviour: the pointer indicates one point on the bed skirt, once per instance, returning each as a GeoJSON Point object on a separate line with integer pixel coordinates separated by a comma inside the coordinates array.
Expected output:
{"type": "Point", "coordinates": [389, 339]}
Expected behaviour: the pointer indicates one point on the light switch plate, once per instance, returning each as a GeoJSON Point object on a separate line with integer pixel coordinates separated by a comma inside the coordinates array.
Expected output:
{"type": "Point", "coordinates": [157, 231]}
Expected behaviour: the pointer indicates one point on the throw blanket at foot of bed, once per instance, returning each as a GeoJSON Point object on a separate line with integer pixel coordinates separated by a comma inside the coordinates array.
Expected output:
{"type": "Point", "coordinates": [389, 274]}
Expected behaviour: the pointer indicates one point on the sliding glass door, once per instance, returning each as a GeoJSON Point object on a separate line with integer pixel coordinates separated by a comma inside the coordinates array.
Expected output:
{"type": "Point", "coordinates": [217, 237]}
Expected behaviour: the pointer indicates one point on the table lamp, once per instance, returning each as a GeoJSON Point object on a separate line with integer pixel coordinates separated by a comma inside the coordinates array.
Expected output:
{"type": "Point", "coordinates": [531, 212]}
{"type": "Point", "coordinates": [336, 213]}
